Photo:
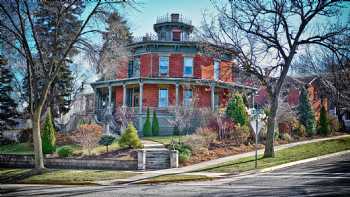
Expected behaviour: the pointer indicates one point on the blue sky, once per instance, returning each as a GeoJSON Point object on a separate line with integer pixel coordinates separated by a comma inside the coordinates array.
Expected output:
{"type": "Point", "coordinates": [142, 21]}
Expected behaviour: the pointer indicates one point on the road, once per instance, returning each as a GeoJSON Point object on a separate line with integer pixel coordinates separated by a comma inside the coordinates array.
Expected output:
{"type": "Point", "coordinates": [326, 177]}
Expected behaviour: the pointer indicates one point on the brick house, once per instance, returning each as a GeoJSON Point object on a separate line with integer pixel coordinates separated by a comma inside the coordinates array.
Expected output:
{"type": "Point", "coordinates": [165, 72]}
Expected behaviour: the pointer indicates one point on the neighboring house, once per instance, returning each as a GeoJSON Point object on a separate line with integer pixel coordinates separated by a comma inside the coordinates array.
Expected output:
{"type": "Point", "coordinates": [291, 92]}
{"type": "Point", "coordinates": [81, 110]}
{"type": "Point", "coordinates": [165, 73]}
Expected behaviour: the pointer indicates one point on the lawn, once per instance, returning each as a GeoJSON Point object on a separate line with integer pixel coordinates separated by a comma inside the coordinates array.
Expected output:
{"type": "Point", "coordinates": [66, 176]}
{"type": "Point", "coordinates": [26, 148]}
{"type": "Point", "coordinates": [296, 153]}
{"type": "Point", "coordinates": [176, 178]}
{"type": "Point", "coordinates": [166, 140]}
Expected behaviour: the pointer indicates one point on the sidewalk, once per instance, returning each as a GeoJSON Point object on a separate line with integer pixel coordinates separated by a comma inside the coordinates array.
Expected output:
{"type": "Point", "coordinates": [199, 166]}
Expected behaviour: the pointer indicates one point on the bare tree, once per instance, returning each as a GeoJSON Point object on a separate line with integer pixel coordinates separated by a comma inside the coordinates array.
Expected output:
{"type": "Point", "coordinates": [18, 31]}
{"type": "Point", "coordinates": [266, 36]}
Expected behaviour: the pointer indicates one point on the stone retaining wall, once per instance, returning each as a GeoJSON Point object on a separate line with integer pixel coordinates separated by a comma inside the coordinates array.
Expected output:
{"type": "Point", "coordinates": [27, 161]}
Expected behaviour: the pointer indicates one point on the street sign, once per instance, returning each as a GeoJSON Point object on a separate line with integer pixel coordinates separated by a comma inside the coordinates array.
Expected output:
{"type": "Point", "coordinates": [257, 123]}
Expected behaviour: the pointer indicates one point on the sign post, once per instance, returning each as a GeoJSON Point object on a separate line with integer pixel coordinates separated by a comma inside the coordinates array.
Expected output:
{"type": "Point", "coordinates": [256, 124]}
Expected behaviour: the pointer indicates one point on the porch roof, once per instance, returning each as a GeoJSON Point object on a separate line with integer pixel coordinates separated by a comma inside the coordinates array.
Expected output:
{"type": "Point", "coordinates": [173, 81]}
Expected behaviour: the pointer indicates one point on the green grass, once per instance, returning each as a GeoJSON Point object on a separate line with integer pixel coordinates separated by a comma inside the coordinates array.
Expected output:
{"type": "Point", "coordinates": [26, 148]}
{"type": "Point", "coordinates": [21, 148]}
{"type": "Point", "coordinates": [296, 153]}
{"type": "Point", "coordinates": [176, 178]}
{"type": "Point", "coordinates": [165, 139]}
{"type": "Point", "coordinates": [67, 176]}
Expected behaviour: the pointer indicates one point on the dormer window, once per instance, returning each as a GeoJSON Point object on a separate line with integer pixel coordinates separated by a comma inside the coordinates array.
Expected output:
{"type": "Point", "coordinates": [176, 35]}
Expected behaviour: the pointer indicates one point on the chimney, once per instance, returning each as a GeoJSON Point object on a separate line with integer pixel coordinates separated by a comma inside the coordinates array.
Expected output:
{"type": "Point", "coordinates": [175, 17]}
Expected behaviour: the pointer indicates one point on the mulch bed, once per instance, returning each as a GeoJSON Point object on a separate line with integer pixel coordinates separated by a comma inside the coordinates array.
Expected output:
{"type": "Point", "coordinates": [227, 148]}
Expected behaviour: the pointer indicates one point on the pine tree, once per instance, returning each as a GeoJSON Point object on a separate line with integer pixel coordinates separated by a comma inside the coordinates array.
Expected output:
{"type": "Point", "coordinates": [129, 138]}
{"type": "Point", "coordinates": [306, 113]}
{"type": "Point", "coordinates": [155, 124]}
{"type": "Point", "coordinates": [236, 110]}
{"type": "Point", "coordinates": [8, 111]}
{"type": "Point", "coordinates": [324, 122]}
{"type": "Point", "coordinates": [147, 128]}
{"type": "Point", "coordinates": [48, 137]}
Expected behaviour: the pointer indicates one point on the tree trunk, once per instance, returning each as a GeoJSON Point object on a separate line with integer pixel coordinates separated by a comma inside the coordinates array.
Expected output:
{"type": "Point", "coordinates": [269, 147]}
{"type": "Point", "coordinates": [38, 151]}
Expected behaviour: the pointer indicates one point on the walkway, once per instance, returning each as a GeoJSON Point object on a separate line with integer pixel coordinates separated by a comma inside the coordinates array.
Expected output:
{"type": "Point", "coordinates": [203, 165]}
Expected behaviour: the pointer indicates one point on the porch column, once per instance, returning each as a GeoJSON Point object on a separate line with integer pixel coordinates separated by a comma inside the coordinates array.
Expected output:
{"type": "Point", "coordinates": [212, 87]}
{"type": "Point", "coordinates": [177, 95]}
{"type": "Point", "coordinates": [141, 97]}
{"type": "Point", "coordinates": [109, 105]}
{"type": "Point", "coordinates": [124, 95]}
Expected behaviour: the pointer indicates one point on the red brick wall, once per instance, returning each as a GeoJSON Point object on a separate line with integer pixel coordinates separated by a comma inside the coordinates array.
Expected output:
{"type": "Point", "coordinates": [118, 96]}
{"type": "Point", "coordinates": [149, 65]}
{"type": "Point", "coordinates": [197, 73]}
{"type": "Point", "coordinates": [207, 68]}
{"type": "Point", "coordinates": [202, 94]}
{"type": "Point", "coordinates": [176, 64]}
{"type": "Point", "coordinates": [224, 96]}
{"type": "Point", "coordinates": [150, 95]}
{"type": "Point", "coordinates": [226, 71]}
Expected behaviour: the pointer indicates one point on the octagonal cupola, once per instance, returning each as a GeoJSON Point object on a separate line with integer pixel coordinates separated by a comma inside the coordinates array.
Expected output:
{"type": "Point", "coordinates": [173, 27]}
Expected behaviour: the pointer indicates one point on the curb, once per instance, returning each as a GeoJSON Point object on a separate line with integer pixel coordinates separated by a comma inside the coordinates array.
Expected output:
{"type": "Point", "coordinates": [294, 163]}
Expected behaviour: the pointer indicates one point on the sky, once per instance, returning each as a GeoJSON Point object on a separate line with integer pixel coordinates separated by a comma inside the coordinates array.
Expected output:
{"type": "Point", "coordinates": [141, 21]}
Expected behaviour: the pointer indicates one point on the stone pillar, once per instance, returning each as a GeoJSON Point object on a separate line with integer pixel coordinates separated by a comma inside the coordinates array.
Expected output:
{"type": "Point", "coordinates": [212, 87]}
{"type": "Point", "coordinates": [174, 158]}
{"type": "Point", "coordinates": [177, 95]}
{"type": "Point", "coordinates": [124, 95]}
{"type": "Point", "coordinates": [141, 159]}
{"type": "Point", "coordinates": [141, 97]}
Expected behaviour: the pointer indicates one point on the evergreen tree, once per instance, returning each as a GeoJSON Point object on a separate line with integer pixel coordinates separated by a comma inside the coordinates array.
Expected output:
{"type": "Point", "coordinates": [324, 127]}
{"type": "Point", "coordinates": [155, 124]}
{"type": "Point", "coordinates": [306, 113]}
{"type": "Point", "coordinates": [147, 128]}
{"type": "Point", "coordinates": [48, 137]}
{"type": "Point", "coordinates": [236, 110]}
{"type": "Point", "coordinates": [8, 111]}
{"type": "Point", "coordinates": [129, 138]}
{"type": "Point", "coordinates": [106, 140]}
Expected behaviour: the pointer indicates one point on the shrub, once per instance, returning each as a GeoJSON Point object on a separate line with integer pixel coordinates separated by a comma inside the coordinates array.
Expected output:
{"type": "Point", "coordinates": [25, 135]}
{"type": "Point", "coordinates": [196, 143]}
{"type": "Point", "coordinates": [88, 136]}
{"type": "Point", "coordinates": [106, 140]}
{"type": "Point", "coordinates": [236, 110]}
{"type": "Point", "coordinates": [301, 131]}
{"type": "Point", "coordinates": [155, 124]}
{"type": "Point", "coordinates": [208, 134]}
{"type": "Point", "coordinates": [324, 127]}
{"type": "Point", "coordinates": [129, 138]}
{"type": "Point", "coordinates": [48, 138]}
{"type": "Point", "coordinates": [147, 128]}
{"type": "Point", "coordinates": [239, 134]}
{"type": "Point", "coordinates": [306, 113]}
{"type": "Point", "coordinates": [286, 136]}
{"type": "Point", "coordinates": [334, 124]}
{"type": "Point", "coordinates": [184, 151]}
{"type": "Point", "coordinates": [65, 151]}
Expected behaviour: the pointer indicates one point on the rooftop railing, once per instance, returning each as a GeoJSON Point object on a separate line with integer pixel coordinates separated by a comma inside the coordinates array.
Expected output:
{"type": "Point", "coordinates": [153, 37]}
{"type": "Point", "coordinates": [174, 18]}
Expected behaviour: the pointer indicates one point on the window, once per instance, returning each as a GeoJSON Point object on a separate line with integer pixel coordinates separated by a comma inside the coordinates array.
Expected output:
{"type": "Point", "coordinates": [176, 35]}
{"type": "Point", "coordinates": [216, 70]}
{"type": "Point", "coordinates": [163, 97]}
{"type": "Point", "coordinates": [187, 97]}
{"type": "Point", "coordinates": [136, 67]}
{"type": "Point", "coordinates": [188, 66]}
{"type": "Point", "coordinates": [163, 65]}
{"type": "Point", "coordinates": [162, 35]}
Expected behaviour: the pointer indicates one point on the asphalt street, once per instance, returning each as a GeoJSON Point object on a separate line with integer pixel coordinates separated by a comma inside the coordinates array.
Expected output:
{"type": "Point", "coordinates": [326, 177]}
